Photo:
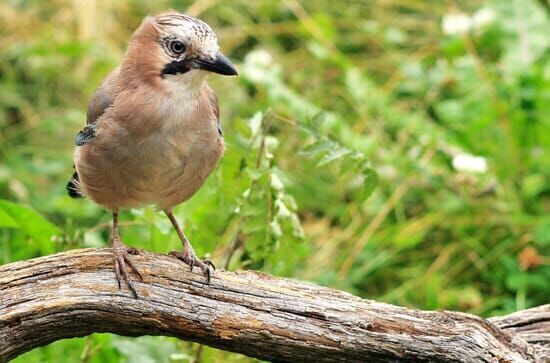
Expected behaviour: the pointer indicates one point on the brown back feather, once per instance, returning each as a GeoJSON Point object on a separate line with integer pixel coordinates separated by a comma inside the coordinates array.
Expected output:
{"type": "Point", "coordinates": [102, 99]}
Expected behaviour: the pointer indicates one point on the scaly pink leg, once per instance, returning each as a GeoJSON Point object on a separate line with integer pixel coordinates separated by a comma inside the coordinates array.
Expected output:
{"type": "Point", "coordinates": [188, 255]}
{"type": "Point", "coordinates": [121, 254]}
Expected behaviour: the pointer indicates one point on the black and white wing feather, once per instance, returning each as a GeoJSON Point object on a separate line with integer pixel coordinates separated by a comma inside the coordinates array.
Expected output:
{"type": "Point", "coordinates": [102, 99]}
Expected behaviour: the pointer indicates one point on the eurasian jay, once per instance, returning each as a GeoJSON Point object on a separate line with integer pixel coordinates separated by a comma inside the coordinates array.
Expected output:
{"type": "Point", "coordinates": [152, 135]}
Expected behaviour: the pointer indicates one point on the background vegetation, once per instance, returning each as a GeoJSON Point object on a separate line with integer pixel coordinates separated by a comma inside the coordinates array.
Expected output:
{"type": "Point", "coordinates": [398, 150]}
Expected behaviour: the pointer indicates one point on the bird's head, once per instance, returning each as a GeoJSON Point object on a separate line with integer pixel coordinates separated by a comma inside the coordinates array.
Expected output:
{"type": "Point", "coordinates": [177, 47]}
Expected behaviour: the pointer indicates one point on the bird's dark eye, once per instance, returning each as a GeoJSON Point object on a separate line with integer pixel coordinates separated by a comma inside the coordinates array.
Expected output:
{"type": "Point", "coordinates": [177, 47]}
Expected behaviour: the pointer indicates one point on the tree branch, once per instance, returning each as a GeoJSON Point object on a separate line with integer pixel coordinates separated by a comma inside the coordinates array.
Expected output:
{"type": "Point", "coordinates": [75, 293]}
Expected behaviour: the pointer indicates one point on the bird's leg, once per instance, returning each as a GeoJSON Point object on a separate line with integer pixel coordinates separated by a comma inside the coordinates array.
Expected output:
{"type": "Point", "coordinates": [188, 255]}
{"type": "Point", "coordinates": [121, 252]}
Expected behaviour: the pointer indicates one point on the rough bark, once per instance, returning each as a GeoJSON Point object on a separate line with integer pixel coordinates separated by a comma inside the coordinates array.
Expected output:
{"type": "Point", "coordinates": [75, 293]}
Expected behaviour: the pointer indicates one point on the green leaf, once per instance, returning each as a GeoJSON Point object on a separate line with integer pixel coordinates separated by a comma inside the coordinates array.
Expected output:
{"type": "Point", "coordinates": [333, 155]}
{"type": "Point", "coordinates": [542, 233]}
{"type": "Point", "coordinates": [145, 349]}
{"type": "Point", "coordinates": [7, 221]}
{"type": "Point", "coordinates": [254, 174]}
{"type": "Point", "coordinates": [370, 182]}
{"type": "Point", "coordinates": [32, 224]}
{"type": "Point", "coordinates": [316, 148]}
{"type": "Point", "coordinates": [532, 185]}
{"type": "Point", "coordinates": [413, 232]}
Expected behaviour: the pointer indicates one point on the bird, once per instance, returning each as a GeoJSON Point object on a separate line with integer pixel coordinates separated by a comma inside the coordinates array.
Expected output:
{"type": "Point", "coordinates": [152, 135]}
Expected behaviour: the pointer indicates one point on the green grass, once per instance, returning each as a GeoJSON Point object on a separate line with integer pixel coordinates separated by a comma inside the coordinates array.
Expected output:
{"type": "Point", "coordinates": [341, 133]}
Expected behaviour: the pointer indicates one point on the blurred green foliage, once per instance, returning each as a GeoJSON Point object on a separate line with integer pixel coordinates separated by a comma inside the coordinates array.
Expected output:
{"type": "Point", "coordinates": [441, 108]}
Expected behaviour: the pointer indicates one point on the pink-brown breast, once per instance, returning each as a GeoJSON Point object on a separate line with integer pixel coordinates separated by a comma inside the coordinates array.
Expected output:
{"type": "Point", "coordinates": [157, 152]}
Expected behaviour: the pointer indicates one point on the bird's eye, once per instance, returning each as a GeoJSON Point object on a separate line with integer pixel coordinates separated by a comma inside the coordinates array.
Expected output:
{"type": "Point", "coordinates": [177, 47]}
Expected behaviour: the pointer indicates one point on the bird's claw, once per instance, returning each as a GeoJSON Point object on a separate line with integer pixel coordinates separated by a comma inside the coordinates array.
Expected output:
{"type": "Point", "coordinates": [121, 253]}
{"type": "Point", "coordinates": [192, 260]}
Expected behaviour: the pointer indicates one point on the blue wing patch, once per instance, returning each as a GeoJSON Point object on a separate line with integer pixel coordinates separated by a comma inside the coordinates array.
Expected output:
{"type": "Point", "coordinates": [86, 135]}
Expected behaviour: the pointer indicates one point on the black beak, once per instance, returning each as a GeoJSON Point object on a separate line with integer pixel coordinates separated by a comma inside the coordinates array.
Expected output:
{"type": "Point", "coordinates": [220, 65]}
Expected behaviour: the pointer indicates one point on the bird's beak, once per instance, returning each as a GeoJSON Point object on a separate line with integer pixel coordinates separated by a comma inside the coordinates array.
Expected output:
{"type": "Point", "coordinates": [220, 64]}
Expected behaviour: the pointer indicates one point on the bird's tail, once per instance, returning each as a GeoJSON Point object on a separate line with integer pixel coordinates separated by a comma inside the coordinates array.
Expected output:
{"type": "Point", "coordinates": [73, 186]}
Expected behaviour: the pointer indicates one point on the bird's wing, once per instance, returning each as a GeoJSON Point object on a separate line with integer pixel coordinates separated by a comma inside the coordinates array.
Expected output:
{"type": "Point", "coordinates": [216, 109]}
{"type": "Point", "coordinates": [101, 100]}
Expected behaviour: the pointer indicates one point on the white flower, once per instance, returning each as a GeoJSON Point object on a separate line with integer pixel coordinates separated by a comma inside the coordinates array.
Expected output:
{"type": "Point", "coordinates": [276, 182]}
{"type": "Point", "coordinates": [470, 163]}
{"type": "Point", "coordinates": [258, 64]}
{"type": "Point", "coordinates": [260, 57]}
{"type": "Point", "coordinates": [387, 172]}
{"type": "Point", "coordinates": [483, 17]}
{"type": "Point", "coordinates": [282, 210]}
{"type": "Point", "coordinates": [456, 24]}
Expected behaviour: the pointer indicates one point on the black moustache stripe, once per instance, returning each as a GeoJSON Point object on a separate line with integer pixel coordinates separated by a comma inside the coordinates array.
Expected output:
{"type": "Point", "coordinates": [175, 67]}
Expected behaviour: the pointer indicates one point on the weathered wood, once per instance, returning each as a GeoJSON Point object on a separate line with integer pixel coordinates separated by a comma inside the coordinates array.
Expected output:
{"type": "Point", "coordinates": [532, 325]}
{"type": "Point", "coordinates": [75, 293]}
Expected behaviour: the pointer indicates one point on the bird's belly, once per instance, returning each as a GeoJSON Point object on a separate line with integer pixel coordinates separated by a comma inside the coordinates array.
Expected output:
{"type": "Point", "coordinates": [159, 171]}
{"type": "Point", "coordinates": [177, 184]}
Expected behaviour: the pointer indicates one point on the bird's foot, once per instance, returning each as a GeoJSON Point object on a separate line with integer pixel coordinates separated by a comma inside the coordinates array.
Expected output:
{"type": "Point", "coordinates": [189, 258]}
{"type": "Point", "coordinates": [121, 254]}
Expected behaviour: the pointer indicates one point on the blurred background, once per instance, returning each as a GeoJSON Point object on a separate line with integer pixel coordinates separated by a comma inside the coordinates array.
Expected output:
{"type": "Point", "coordinates": [398, 150]}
